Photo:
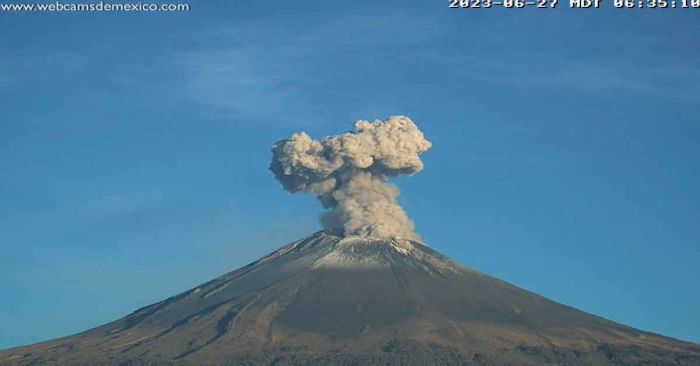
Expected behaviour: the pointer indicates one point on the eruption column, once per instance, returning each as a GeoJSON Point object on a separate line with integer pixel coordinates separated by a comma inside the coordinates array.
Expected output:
{"type": "Point", "coordinates": [348, 173]}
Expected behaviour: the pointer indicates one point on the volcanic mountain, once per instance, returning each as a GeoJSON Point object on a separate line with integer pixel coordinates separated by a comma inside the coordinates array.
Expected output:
{"type": "Point", "coordinates": [330, 300]}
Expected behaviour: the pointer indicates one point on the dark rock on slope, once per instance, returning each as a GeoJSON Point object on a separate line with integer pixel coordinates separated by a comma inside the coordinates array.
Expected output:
{"type": "Point", "coordinates": [327, 300]}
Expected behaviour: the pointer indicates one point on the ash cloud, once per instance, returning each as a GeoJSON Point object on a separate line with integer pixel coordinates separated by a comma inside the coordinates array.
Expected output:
{"type": "Point", "coordinates": [349, 172]}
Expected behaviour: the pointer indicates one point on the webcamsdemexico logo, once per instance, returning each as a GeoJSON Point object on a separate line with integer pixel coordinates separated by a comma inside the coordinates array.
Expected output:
{"type": "Point", "coordinates": [101, 6]}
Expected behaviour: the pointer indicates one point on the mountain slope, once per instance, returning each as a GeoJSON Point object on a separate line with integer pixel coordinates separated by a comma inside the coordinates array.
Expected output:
{"type": "Point", "coordinates": [357, 301]}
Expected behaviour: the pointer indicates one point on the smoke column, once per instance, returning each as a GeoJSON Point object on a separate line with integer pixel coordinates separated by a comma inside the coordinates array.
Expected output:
{"type": "Point", "coordinates": [348, 173]}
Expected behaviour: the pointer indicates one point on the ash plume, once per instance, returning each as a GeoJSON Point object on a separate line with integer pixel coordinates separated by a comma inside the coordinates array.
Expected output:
{"type": "Point", "coordinates": [348, 173]}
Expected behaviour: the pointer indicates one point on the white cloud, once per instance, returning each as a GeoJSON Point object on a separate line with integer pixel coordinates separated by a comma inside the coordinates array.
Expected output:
{"type": "Point", "coordinates": [257, 70]}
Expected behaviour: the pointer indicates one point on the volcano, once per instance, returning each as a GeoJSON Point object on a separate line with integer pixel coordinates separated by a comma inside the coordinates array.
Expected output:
{"type": "Point", "coordinates": [331, 300]}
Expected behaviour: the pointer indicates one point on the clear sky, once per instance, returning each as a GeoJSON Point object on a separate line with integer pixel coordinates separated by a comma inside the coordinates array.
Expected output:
{"type": "Point", "coordinates": [134, 148]}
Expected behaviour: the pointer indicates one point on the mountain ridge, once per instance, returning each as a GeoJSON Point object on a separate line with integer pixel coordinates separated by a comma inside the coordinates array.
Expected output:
{"type": "Point", "coordinates": [333, 300]}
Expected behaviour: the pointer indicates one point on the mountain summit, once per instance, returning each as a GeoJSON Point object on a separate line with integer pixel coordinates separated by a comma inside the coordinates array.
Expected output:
{"type": "Point", "coordinates": [330, 300]}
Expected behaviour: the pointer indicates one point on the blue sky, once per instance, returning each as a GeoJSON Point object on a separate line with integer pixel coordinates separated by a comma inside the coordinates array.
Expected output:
{"type": "Point", "coordinates": [134, 149]}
